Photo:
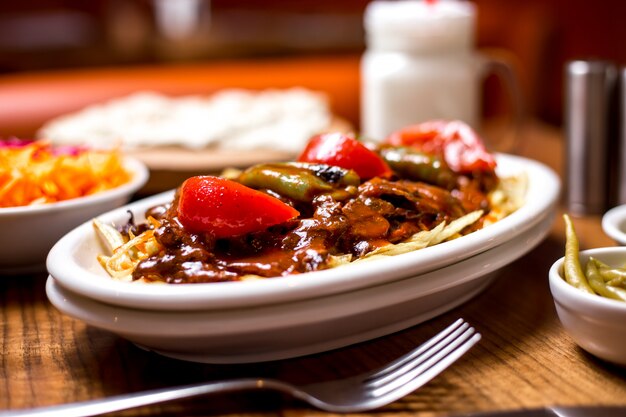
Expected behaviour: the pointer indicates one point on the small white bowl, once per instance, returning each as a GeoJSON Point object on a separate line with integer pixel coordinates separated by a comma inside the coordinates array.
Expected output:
{"type": "Point", "coordinates": [614, 224]}
{"type": "Point", "coordinates": [597, 324]}
{"type": "Point", "coordinates": [29, 232]}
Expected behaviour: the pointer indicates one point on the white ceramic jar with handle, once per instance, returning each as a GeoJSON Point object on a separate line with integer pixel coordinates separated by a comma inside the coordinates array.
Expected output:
{"type": "Point", "coordinates": [420, 64]}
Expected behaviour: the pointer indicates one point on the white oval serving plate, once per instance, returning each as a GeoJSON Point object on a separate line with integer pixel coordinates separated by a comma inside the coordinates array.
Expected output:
{"type": "Point", "coordinates": [297, 328]}
{"type": "Point", "coordinates": [29, 232]}
{"type": "Point", "coordinates": [72, 261]}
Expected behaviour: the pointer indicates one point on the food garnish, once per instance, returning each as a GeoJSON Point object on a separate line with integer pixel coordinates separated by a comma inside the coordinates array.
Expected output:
{"type": "Point", "coordinates": [455, 141]}
{"type": "Point", "coordinates": [126, 251]}
{"type": "Point", "coordinates": [227, 208]}
{"type": "Point", "coordinates": [342, 202]}
{"type": "Point", "coordinates": [596, 277]}
{"type": "Point", "coordinates": [341, 150]}
{"type": "Point", "coordinates": [34, 172]}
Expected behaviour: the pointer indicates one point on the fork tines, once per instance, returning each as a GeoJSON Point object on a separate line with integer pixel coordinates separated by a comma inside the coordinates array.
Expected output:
{"type": "Point", "coordinates": [426, 361]}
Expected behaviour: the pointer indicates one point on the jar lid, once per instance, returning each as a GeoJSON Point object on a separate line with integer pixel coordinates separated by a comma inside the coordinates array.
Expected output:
{"type": "Point", "coordinates": [420, 26]}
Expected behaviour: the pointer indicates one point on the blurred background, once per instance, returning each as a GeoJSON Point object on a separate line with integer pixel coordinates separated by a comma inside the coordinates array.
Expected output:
{"type": "Point", "coordinates": [538, 36]}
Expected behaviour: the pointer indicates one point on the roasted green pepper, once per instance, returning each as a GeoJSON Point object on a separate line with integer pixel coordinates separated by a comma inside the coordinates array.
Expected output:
{"type": "Point", "coordinates": [415, 165]}
{"type": "Point", "coordinates": [301, 181]}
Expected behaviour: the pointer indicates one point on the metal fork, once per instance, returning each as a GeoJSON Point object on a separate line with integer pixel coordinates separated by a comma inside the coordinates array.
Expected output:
{"type": "Point", "coordinates": [362, 392]}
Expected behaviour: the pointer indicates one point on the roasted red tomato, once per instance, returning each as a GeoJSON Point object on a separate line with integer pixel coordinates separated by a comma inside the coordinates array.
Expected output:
{"type": "Point", "coordinates": [344, 151]}
{"type": "Point", "coordinates": [226, 208]}
{"type": "Point", "coordinates": [460, 146]}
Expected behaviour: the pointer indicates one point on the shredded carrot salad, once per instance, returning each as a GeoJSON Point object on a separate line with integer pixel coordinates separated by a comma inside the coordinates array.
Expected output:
{"type": "Point", "coordinates": [33, 172]}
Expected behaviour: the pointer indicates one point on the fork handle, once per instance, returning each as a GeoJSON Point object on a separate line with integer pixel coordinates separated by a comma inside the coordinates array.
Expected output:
{"type": "Point", "coordinates": [138, 399]}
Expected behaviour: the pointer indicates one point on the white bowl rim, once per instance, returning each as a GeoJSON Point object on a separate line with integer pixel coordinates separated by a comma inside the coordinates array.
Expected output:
{"type": "Point", "coordinates": [610, 223]}
{"type": "Point", "coordinates": [567, 294]}
{"type": "Point", "coordinates": [139, 178]}
{"type": "Point", "coordinates": [319, 283]}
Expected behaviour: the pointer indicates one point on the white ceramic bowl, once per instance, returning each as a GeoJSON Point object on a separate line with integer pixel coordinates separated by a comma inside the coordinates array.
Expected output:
{"type": "Point", "coordinates": [28, 233]}
{"type": "Point", "coordinates": [283, 330]}
{"type": "Point", "coordinates": [596, 324]}
{"type": "Point", "coordinates": [614, 224]}
{"type": "Point", "coordinates": [72, 261]}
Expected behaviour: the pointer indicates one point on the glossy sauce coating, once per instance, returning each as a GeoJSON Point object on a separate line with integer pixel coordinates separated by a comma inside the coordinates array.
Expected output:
{"type": "Point", "coordinates": [341, 220]}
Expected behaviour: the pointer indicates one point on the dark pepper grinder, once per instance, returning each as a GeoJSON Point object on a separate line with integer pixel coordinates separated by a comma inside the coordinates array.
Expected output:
{"type": "Point", "coordinates": [589, 95]}
{"type": "Point", "coordinates": [620, 172]}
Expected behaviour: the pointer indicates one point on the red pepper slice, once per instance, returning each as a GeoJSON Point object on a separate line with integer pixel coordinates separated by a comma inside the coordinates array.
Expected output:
{"type": "Point", "coordinates": [225, 208]}
{"type": "Point", "coordinates": [461, 147]}
{"type": "Point", "coordinates": [344, 151]}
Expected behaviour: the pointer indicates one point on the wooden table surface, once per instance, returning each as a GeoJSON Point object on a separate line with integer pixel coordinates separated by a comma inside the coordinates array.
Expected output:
{"type": "Point", "coordinates": [524, 360]}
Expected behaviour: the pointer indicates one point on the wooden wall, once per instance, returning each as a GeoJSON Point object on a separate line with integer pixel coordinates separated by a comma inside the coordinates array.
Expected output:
{"type": "Point", "coordinates": [537, 36]}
